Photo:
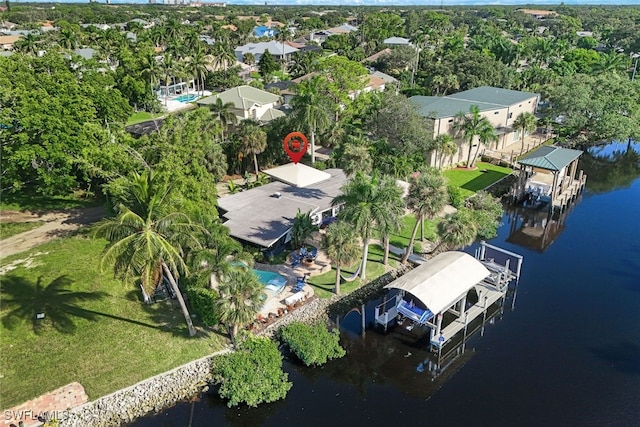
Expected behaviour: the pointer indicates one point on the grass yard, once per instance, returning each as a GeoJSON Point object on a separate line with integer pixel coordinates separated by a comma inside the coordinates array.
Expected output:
{"type": "Point", "coordinates": [142, 116]}
{"type": "Point", "coordinates": [8, 229]}
{"type": "Point", "coordinates": [25, 201]}
{"type": "Point", "coordinates": [401, 239]}
{"type": "Point", "coordinates": [95, 331]}
{"type": "Point", "coordinates": [323, 285]}
{"type": "Point", "coordinates": [474, 180]}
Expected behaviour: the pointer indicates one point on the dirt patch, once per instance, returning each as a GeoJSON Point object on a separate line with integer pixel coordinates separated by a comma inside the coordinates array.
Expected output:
{"type": "Point", "coordinates": [58, 223]}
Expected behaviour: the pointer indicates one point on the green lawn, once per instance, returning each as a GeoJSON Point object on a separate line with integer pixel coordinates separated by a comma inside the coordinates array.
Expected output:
{"type": "Point", "coordinates": [323, 285]}
{"type": "Point", "coordinates": [471, 181]}
{"type": "Point", "coordinates": [142, 116]}
{"type": "Point", "coordinates": [95, 331]}
{"type": "Point", "coordinates": [25, 201]}
{"type": "Point", "coordinates": [8, 229]}
{"type": "Point", "coordinates": [401, 239]}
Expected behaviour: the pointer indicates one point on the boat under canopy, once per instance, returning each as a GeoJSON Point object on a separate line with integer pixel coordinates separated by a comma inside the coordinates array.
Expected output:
{"type": "Point", "coordinates": [443, 280]}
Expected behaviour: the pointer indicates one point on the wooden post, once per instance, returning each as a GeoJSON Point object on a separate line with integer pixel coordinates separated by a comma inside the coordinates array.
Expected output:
{"type": "Point", "coordinates": [364, 321]}
{"type": "Point", "coordinates": [484, 316]}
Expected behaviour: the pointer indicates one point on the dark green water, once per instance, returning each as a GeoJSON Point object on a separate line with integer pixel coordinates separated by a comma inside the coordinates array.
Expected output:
{"type": "Point", "coordinates": [568, 354]}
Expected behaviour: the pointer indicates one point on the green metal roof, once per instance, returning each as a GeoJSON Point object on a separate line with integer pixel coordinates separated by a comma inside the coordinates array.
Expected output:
{"type": "Point", "coordinates": [485, 97]}
{"type": "Point", "coordinates": [494, 95]}
{"type": "Point", "coordinates": [243, 97]}
{"type": "Point", "coordinates": [550, 157]}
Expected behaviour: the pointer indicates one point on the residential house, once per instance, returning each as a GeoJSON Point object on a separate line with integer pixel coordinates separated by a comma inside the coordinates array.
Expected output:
{"type": "Point", "coordinates": [539, 14]}
{"type": "Point", "coordinates": [249, 103]}
{"type": "Point", "coordinates": [500, 106]}
{"type": "Point", "coordinates": [278, 50]}
{"type": "Point", "coordinates": [397, 41]}
{"type": "Point", "coordinates": [322, 35]}
{"type": "Point", "coordinates": [263, 216]}
{"type": "Point", "coordinates": [7, 42]}
{"type": "Point", "coordinates": [377, 55]}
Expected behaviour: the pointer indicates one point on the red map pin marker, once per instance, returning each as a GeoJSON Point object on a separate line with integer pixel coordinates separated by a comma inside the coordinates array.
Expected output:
{"type": "Point", "coordinates": [295, 145]}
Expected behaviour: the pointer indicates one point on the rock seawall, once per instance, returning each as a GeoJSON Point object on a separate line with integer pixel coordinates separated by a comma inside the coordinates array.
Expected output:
{"type": "Point", "coordinates": [152, 394]}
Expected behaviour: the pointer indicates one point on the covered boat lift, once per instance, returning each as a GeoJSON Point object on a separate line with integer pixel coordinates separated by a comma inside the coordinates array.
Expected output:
{"type": "Point", "coordinates": [441, 285]}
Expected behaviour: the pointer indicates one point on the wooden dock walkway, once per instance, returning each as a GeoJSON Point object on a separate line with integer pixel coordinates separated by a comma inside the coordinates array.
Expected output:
{"type": "Point", "coordinates": [487, 295]}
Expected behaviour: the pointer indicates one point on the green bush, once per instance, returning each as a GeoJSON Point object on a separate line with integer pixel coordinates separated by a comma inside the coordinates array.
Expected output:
{"type": "Point", "coordinates": [253, 374]}
{"type": "Point", "coordinates": [203, 304]}
{"type": "Point", "coordinates": [312, 344]}
{"type": "Point", "coordinates": [455, 196]}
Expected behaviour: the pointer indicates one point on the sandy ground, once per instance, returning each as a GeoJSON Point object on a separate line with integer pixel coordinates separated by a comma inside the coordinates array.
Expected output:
{"type": "Point", "coordinates": [57, 223]}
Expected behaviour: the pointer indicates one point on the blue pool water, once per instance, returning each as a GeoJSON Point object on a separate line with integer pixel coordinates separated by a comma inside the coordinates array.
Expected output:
{"type": "Point", "coordinates": [187, 98]}
{"type": "Point", "coordinates": [272, 281]}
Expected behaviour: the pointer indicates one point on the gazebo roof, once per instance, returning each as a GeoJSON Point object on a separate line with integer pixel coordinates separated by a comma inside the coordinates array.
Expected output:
{"type": "Point", "coordinates": [550, 158]}
{"type": "Point", "coordinates": [442, 280]}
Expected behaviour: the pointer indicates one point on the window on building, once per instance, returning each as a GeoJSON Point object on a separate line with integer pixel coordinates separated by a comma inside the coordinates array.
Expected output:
{"type": "Point", "coordinates": [450, 120]}
{"type": "Point", "coordinates": [510, 115]}
{"type": "Point", "coordinates": [496, 112]}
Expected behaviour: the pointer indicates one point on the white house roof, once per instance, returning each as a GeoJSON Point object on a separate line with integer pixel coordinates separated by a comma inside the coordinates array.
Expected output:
{"type": "Point", "coordinates": [242, 97]}
{"type": "Point", "coordinates": [274, 48]}
{"type": "Point", "coordinates": [397, 40]}
{"type": "Point", "coordinates": [297, 174]}
{"type": "Point", "coordinates": [442, 280]}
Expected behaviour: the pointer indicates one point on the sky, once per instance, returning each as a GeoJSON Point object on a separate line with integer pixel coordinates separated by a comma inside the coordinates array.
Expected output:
{"type": "Point", "coordinates": [387, 2]}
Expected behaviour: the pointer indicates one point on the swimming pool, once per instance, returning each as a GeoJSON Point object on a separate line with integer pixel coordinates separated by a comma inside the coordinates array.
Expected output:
{"type": "Point", "coordinates": [186, 98]}
{"type": "Point", "coordinates": [271, 281]}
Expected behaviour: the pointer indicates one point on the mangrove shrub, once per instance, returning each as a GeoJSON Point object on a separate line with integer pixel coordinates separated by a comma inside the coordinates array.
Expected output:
{"type": "Point", "coordinates": [313, 344]}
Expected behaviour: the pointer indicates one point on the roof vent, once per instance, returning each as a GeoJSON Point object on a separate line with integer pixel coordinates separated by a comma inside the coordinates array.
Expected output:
{"type": "Point", "coordinates": [277, 195]}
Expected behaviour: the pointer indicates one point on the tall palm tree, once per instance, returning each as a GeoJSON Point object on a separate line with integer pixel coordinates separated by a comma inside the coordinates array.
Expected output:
{"type": "Point", "coordinates": [311, 109]}
{"type": "Point", "coordinates": [302, 229]}
{"type": "Point", "coordinates": [224, 113]}
{"type": "Point", "coordinates": [253, 140]}
{"type": "Point", "coordinates": [427, 197]}
{"type": "Point", "coordinates": [365, 202]}
{"type": "Point", "coordinates": [151, 70]}
{"type": "Point", "coordinates": [389, 218]}
{"type": "Point", "coordinates": [469, 126]}
{"type": "Point", "coordinates": [223, 55]}
{"type": "Point", "coordinates": [198, 62]}
{"type": "Point", "coordinates": [239, 300]}
{"type": "Point", "coordinates": [145, 241]}
{"type": "Point", "coordinates": [68, 38]}
{"type": "Point", "coordinates": [168, 68]}
{"type": "Point", "coordinates": [342, 247]}
{"type": "Point", "coordinates": [526, 122]}
{"type": "Point", "coordinates": [486, 135]}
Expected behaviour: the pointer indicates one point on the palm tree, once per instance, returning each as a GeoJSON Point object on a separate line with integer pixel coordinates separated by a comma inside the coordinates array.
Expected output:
{"type": "Point", "coordinates": [239, 301]}
{"type": "Point", "coordinates": [198, 62]}
{"type": "Point", "coordinates": [145, 242]}
{"type": "Point", "coordinates": [302, 228]}
{"type": "Point", "coordinates": [168, 70]}
{"type": "Point", "coordinates": [252, 140]}
{"type": "Point", "coordinates": [427, 196]}
{"type": "Point", "coordinates": [356, 157]}
{"type": "Point", "coordinates": [457, 230]}
{"type": "Point", "coordinates": [389, 218]}
{"type": "Point", "coordinates": [151, 70]}
{"type": "Point", "coordinates": [444, 145]}
{"type": "Point", "coordinates": [486, 135]}
{"type": "Point", "coordinates": [224, 113]}
{"type": "Point", "coordinates": [219, 254]}
{"type": "Point", "coordinates": [341, 245]}
{"type": "Point", "coordinates": [311, 109]}
{"type": "Point", "coordinates": [67, 38]}
{"type": "Point", "coordinates": [469, 126]}
{"type": "Point", "coordinates": [526, 122]}
{"type": "Point", "coordinates": [28, 44]}
{"type": "Point", "coordinates": [223, 55]}
{"type": "Point", "coordinates": [364, 204]}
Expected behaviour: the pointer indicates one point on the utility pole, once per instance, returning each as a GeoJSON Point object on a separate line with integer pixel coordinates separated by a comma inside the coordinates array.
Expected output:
{"type": "Point", "coordinates": [635, 66]}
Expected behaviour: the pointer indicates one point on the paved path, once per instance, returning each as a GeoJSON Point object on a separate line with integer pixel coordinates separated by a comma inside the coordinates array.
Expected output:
{"type": "Point", "coordinates": [54, 404]}
{"type": "Point", "coordinates": [57, 224]}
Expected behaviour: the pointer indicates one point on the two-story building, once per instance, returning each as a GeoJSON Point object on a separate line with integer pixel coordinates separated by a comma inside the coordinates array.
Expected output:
{"type": "Point", "coordinates": [500, 106]}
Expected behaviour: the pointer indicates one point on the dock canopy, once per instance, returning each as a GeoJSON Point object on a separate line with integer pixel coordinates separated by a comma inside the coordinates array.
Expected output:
{"type": "Point", "coordinates": [550, 157]}
{"type": "Point", "coordinates": [442, 280]}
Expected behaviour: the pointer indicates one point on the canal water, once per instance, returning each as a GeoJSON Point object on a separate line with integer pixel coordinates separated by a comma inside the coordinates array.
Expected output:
{"type": "Point", "coordinates": [566, 352]}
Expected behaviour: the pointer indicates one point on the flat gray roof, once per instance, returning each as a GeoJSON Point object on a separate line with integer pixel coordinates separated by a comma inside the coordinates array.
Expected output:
{"type": "Point", "coordinates": [259, 217]}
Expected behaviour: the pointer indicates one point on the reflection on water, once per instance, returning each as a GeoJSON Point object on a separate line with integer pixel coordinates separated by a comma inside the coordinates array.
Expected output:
{"type": "Point", "coordinates": [611, 166]}
{"type": "Point", "coordinates": [536, 229]}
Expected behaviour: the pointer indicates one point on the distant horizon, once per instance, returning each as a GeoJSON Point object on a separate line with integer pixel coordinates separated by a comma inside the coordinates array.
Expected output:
{"type": "Point", "coordinates": [373, 3]}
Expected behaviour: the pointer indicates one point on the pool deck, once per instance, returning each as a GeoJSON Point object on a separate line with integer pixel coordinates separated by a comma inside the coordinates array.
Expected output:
{"type": "Point", "coordinates": [275, 303]}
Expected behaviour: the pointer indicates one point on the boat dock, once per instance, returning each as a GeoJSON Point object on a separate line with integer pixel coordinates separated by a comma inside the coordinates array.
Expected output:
{"type": "Point", "coordinates": [450, 291]}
